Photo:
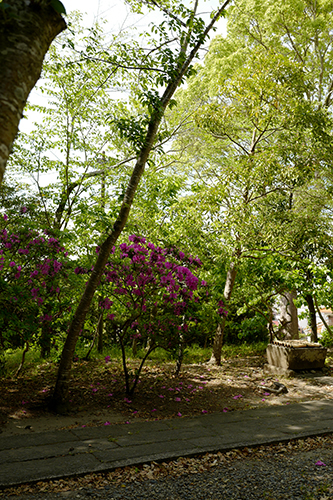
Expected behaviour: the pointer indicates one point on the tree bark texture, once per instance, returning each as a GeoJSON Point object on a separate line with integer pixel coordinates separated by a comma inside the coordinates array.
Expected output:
{"type": "Point", "coordinates": [180, 356]}
{"type": "Point", "coordinates": [61, 391]}
{"type": "Point", "coordinates": [288, 316]}
{"type": "Point", "coordinates": [27, 28]}
{"type": "Point", "coordinates": [313, 320]}
{"type": "Point", "coordinates": [218, 339]}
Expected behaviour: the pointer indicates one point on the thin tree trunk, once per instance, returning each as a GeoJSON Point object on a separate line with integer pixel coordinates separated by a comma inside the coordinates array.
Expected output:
{"type": "Point", "coordinates": [100, 319]}
{"type": "Point", "coordinates": [45, 341]}
{"type": "Point", "coordinates": [218, 339]}
{"type": "Point", "coordinates": [288, 316]}
{"type": "Point", "coordinates": [137, 375]}
{"type": "Point", "coordinates": [313, 320]}
{"type": "Point", "coordinates": [180, 356]}
{"type": "Point", "coordinates": [270, 325]}
{"type": "Point", "coordinates": [26, 32]}
{"type": "Point", "coordinates": [100, 343]}
{"type": "Point", "coordinates": [322, 317]}
{"type": "Point", "coordinates": [134, 347]}
{"type": "Point", "coordinates": [25, 350]}
{"type": "Point", "coordinates": [218, 344]}
{"type": "Point", "coordinates": [61, 391]}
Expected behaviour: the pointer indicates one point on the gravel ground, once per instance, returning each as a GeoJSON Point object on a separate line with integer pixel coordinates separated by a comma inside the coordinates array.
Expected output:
{"type": "Point", "coordinates": [283, 472]}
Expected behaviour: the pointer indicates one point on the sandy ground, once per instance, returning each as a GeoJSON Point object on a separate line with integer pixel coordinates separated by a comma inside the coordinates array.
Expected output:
{"type": "Point", "coordinates": [16, 425]}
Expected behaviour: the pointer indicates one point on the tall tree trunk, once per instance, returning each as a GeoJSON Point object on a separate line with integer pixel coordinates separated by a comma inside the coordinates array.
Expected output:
{"type": "Point", "coordinates": [100, 345]}
{"type": "Point", "coordinates": [218, 339]}
{"type": "Point", "coordinates": [215, 358]}
{"type": "Point", "coordinates": [45, 341]}
{"type": "Point", "coordinates": [313, 320]}
{"type": "Point", "coordinates": [180, 356]}
{"type": "Point", "coordinates": [26, 32]}
{"type": "Point", "coordinates": [60, 396]}
{"type": "Point", "coordinates": [288, 316]}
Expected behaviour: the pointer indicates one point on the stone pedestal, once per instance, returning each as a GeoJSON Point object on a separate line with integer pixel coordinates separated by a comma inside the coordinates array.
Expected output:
{"type": "Point", "coordinates": [296, 357]}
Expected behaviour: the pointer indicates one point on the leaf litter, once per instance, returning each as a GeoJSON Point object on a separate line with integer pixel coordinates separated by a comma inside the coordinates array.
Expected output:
{"type": "Point", "coordinates": [176, 468]}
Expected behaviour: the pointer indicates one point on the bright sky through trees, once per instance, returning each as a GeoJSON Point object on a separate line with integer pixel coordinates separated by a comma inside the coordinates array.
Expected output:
{"type": "Point", "coordinates": [119, 17]}
{"type": "Point", "coordinates": [118, 14]}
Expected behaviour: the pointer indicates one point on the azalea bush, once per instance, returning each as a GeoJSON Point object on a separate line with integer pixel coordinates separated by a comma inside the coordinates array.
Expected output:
{"type": "Point", "coordinates": [33, 275]}
{"type": "Point", "coordinates": [150, 297]}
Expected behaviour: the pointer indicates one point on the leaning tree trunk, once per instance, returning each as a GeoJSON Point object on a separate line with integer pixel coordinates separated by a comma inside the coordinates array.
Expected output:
{"type": "Point", "coordinates": [59, 400]}
{"type": "Point", "coordinates": [218, 339]}
{"type": "Point", "coordinates": [60, 396]}
{"type": "Point", "coordinates": [26, 32]}
{"type": "Point", "coordinates": [288, 316]}
{"type": "Point", "coordinates": [313, 319]}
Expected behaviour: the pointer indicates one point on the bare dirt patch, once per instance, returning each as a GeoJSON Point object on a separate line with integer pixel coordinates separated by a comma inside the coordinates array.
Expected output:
{"type": "Point", "coordinates": [98, 393]}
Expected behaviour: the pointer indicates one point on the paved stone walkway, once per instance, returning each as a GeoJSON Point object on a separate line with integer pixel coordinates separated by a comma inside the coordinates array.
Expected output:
{"type": "Point", "coordinates": [37, 456]}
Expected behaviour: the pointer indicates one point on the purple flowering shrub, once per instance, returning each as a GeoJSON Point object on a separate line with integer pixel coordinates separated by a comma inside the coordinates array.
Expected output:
{"type": "Point", "coordinates": [32, 273]}
{"type": "Point", "coordinates": [148, 295]}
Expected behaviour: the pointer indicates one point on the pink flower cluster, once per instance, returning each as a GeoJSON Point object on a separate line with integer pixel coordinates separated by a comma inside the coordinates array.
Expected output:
{"type": "Point", "coordinates": [30, 267]}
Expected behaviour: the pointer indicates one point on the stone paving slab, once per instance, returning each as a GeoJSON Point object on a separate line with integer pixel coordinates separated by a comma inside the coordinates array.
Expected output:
{"type": "Point", "coordinates": [29, 453]}
{"type": "Point", "coordinates": [162, 436]}
{"type": "Point", "coordinates": [57, 467]}
{"type": "Point", "coordinates": [118, 430]}
{"type": "Point", "coordinates": [57, 454]}
{"type": "Point", "coordinates": [35, 439]}
{"type": "Point", "coordinates": [177, 448]}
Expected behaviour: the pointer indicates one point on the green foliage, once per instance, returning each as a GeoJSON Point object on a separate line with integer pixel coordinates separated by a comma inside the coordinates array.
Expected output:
{"type": "Point", "coordinates": [326, 338]}
{"type": "Point", "coordinates": [11, 359]}
{"type": "Point", "coordinates": [248, 177]}
{"type": "Point", "coordinates": [248, 330]}
{"type": "Point", "coordinates": [196, 354]}
{"type": "Point", "coordinates": [253, 330]}
{"type": "Point", "coordinates": [71, 153]}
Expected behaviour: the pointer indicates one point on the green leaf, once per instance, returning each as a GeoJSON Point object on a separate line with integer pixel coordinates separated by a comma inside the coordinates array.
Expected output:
{"type": "Point", "coordinates": [58, 6]}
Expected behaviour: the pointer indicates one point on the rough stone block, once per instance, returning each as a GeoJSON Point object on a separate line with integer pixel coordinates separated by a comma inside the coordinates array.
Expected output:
{"type": "Point", "coordinates": [300, 358]}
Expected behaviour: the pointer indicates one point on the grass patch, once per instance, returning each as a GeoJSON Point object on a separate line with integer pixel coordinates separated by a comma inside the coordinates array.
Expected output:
{"type": "Point", "coordinates": [13, 358]}
{"type": "Point", "coordinates": [196, 354]}
{"type": "Point", "coordinates": [192, 355]}
{"type": "Point", "coordinates": [238, 351]}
